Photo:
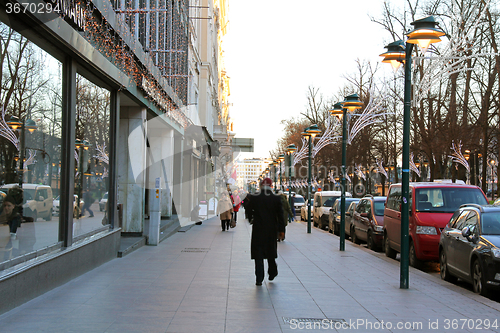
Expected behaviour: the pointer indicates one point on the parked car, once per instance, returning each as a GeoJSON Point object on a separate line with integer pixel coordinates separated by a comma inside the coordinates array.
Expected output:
{"type": "Point", "coordinates": [303, 210]}
{"type": "Point", "coordinates": [37, 200]}
{"type": "Point", "coordinates": [368, 222]}
{"type": "Point", "coordinates": [323, 201]}
{"type": "Point", "coordinates": [298, 203]}
{"type": "Point", "coordinates": [103, 202]}
{"type": "Point", "coordinates": [334, 215]}
{"type": "Point", "coordinates": [76, 212]}
{"type": "Point", "coordinates": [428, 215]}
{"type": "Point", "coordinates": [469, 247]}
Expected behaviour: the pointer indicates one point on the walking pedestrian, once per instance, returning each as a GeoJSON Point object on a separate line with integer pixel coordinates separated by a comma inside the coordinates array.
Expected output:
{"type": "Point", "coordinates": [293, 206]}
{"type": "Point", "coordinates": [287, 212]}
{"type": "Point", "coordinates": [225, 209]}
{"type": "Point", "coordinates": [236, 205]}
{"type": "Point", "coordinates": [266, 210]}
{"type": "Point", "coordinates": [87, 201]}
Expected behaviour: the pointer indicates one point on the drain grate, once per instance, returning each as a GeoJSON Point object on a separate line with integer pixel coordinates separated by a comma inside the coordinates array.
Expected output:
{"type": "Point", "coordinates": [196, 249]}
{"type": "Point", "coordinates": [316, 322]}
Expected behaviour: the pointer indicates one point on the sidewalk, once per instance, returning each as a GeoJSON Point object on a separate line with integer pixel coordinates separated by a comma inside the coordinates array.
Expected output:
{"type": "Point", "coordinates": [202, 280]}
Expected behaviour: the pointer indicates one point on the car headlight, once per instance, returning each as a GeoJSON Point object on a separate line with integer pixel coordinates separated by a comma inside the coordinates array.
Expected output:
{"type": "Point", "coordinates": [496, 252]}
{"type": "Point", "coordinates": [426, 230]}
{"type": "Point", "coordinates": [378, 228]}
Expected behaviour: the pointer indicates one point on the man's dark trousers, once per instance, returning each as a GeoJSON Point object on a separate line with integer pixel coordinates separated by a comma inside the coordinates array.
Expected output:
{"type": "Point", "coordinates": [259, 268]}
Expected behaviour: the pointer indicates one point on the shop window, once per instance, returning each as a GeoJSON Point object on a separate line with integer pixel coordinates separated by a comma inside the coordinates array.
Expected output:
{"type": "Point", "coordinates": [91, 157]}
{"type": "Point", "coordinates": [30, 147]}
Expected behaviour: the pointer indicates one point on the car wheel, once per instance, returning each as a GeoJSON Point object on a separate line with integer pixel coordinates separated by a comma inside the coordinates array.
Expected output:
{"type": "Point", "coordinates": [389, 252]}
{"type": "Point", "coordinates": [370, 242]}
{"type": "Point", "coordinates": [323, 226]}
{"type": "Point", "coordinates": [414, 261]}
{"type": "Point", "coordinates": [478, 280]}
{"type": "Point", "coordinates": [355, 238]}
{"type": "Point", "coordinates": [443, 267]}
{"type": "Point", "coordinates": [49, 216]}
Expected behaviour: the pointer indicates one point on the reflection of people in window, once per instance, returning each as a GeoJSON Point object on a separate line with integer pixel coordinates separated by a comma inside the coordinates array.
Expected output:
{"type": "Point", "coordinates": [10, 215]}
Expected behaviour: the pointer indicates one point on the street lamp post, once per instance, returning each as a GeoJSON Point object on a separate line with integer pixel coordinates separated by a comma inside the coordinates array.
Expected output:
{"type": "Point", "coordinates": [24, 124]}
{"type": "Point", "coordinates": [289, 151]}
{"type": "Point", "coordinates": [351, 103]}
{"type": "Point", "coordinates": [275, 164]}
{"type": "Point", "coordinates": [424, 33]}
{"type": "Point", "coordinates": [281, 158]}
{"type": "Point", "coordinates": [82, 146]}
{"type": "Point", "coordinates": [310, 133]}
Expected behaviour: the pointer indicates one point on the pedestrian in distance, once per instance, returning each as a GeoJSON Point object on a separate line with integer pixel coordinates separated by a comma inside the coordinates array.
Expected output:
{"type": "Point", "coordinates": [293, 206]}
{"type": "Point", "coordinates": [225, 209]}
{"type": "Point", "coordinates": [287, 211]}
{"type": "Point", "coordinates": [266, 211]}
{"type": "Point", "coordinates": [87, 201]}
{"type": "Point", "coordinates": [236, 205]}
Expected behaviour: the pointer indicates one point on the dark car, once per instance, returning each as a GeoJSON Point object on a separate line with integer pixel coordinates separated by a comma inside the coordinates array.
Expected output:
{"type": "Point", "coordinates": [334, 215]}
{"type": "Point", "coordinates": [469, 247]}
{"type": "Point", "coordinates": [368, 222]}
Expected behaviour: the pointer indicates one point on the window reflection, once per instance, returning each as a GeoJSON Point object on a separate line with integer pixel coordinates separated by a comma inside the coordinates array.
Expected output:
{"type": "Point", "coordinates": [91, 157]}
{"type": "Point", "coordinates": [30, 141]}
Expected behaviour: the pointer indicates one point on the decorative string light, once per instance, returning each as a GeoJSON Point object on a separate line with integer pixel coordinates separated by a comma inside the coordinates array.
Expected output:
{"type": "Point", "coordinates": [7, 132]}
{"type": "Point", "coordinates": [381, 169]}
{"type": "Point", "coordinates": [101, 153]}
{"type": "Point", "coordinates": [413, 167]}
{"type": "Point", "coordinates": [454, 57]}
{"type": "Point", "coordinates": [359, 171]}
{"type": "Point", "coordinates": [457, 155]}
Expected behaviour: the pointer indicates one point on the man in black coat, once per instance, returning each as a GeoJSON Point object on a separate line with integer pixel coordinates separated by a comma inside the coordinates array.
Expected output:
{"type": "Point", "coordinates": [266, 211]}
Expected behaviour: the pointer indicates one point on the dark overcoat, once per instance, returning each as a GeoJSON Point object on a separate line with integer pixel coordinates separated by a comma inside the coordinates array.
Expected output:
{"type": "Point", "coordinates": [266, 211]}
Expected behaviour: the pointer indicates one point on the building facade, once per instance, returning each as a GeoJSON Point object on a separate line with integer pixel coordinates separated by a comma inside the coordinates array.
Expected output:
{"type": "Point", "coordinates": [111, 116]}
{"type": "Point", "coordinates": [249, 170]}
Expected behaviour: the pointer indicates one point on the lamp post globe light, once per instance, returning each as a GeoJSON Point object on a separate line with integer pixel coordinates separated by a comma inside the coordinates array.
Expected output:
{"type": "Point", "coordinates": [310, 133]}
{"type": "Point", "coordinates": [289, 151]}
{"type": "Point", "coordinates": [423, 34]}
{"type": "Point", "coordinates": [350, 104]}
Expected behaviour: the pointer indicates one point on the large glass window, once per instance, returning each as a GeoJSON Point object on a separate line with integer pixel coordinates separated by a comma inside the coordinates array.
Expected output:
{"type": "Point", "coordinates": [91, 157]}
{"type": "Point", "coordinates": [30, 146]}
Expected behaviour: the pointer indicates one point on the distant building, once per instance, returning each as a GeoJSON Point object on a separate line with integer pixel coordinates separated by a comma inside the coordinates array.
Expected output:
{"type": "Point", "coordinates": [250, 169]}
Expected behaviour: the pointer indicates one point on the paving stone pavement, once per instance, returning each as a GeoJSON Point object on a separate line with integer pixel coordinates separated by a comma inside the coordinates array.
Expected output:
{"type": "Point", "coordinates": [202, 280]}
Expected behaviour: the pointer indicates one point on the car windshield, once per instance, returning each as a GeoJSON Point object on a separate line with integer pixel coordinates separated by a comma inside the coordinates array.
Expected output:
{"type": "Point", "coordinates": [28, 194]}
{"type": "Point", "coordinates": [348, 202]}
{"type": "Point", "coordinates": [378, 206]}
{"type": "Point", "coordinates": [490, 223]}
{"type": "Point", "coordinates": [299, 200]}
{"type": "Point", "coordinates": [447, 199]}
{"type": "Point", "coordinates": [328, 201]}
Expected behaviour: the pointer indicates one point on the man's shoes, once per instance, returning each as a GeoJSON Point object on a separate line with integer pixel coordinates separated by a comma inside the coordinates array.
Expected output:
{"type": "Point", "coordinates": [91, 216]}
{"type": "Point", "coordinates": [258, 283]}
{"type": "Point", "coordinates": [271, 277]}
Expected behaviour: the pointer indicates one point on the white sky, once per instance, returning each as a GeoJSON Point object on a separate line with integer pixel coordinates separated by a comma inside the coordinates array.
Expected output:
{"type": "Point", "coordinates": [275, 49]}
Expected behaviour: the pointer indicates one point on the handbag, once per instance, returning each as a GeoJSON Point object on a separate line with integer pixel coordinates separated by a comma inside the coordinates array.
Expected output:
{"type": "Point", "coordinates": [232, 224]}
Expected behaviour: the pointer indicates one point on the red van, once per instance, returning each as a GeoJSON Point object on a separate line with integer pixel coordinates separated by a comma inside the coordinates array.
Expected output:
{"type": "Point", "coordinates": [431, 207]}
